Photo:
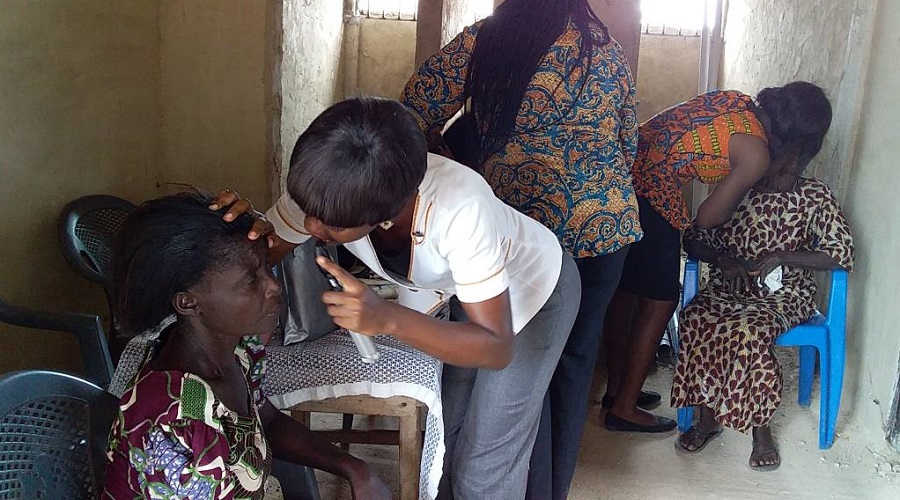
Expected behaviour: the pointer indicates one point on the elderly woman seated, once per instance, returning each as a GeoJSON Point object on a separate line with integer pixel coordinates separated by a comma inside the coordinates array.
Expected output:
{"type": "Point", "coordinates": [727, 366]}
{"type": "Point", "coordinates": [193, 421]}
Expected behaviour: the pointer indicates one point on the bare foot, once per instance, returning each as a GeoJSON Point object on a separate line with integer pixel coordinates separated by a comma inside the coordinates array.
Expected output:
{"type": "Point", "coordinates": [765, 455]}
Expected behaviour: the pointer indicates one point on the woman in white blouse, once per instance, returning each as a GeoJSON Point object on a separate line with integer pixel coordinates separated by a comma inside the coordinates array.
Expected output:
{"type": "Point", "coordinates": [360, 175]}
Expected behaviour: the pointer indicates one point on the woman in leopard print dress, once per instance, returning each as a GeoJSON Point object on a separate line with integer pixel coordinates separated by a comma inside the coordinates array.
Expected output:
{"type": "Point", "coordinates": [727, 365]}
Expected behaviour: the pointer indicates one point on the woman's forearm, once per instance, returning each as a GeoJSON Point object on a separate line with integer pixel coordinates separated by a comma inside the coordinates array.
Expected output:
{"type": "Point", "coordinates": [816, 261]}
{"type": "Point", "coordinates": [294, 442]}
{"type": "Point", "coordinates": [702, 252]}
{"type": "Point", "coordinates": [462, 344]}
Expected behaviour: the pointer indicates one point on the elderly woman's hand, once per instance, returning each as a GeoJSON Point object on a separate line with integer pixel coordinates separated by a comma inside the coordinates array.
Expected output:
{"type": "Point", "coordinates": [765, 264]}
{"type": "Point", "coordinates": [736, 273]}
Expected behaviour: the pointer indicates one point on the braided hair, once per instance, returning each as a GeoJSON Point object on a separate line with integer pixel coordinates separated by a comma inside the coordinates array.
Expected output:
{"type": "Point", "coordinates": [509, 46]}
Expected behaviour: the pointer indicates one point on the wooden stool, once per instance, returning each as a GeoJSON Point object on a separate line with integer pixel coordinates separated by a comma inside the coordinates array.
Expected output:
{"type": "Point", "coordinates": [409, 437]}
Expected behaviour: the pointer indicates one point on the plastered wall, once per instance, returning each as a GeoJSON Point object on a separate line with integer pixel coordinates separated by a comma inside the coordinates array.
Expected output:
{"type": "Point", "coordinates": [623, 19]}
{"type": "Point", "coordinates": [871, 204]}
{"type": "Point", "coordinates": [119, 98]}
{"type": "Point", "coordinates": [840, 46]}
{"type": "Point", "coordinates": [668, 72]}
{"type": "Point", "coordinates": [79, 114]}
{"type": "Point", "coordinates": [428, 33]}
{"type": "Point", "coordinates": [384, 57]}
{"type": "Point", "coordinates": [212, 60]}
{"type": "Point", "coordinates": [773, 42]}
{"type": "Point", "coordinates": [310, 68]}
{"type": "Point", "coordinates": [456, 15]}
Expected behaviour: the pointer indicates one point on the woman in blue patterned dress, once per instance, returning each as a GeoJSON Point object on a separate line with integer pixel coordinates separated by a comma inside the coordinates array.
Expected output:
{"type": "Point", "coordinates": [555, 135]}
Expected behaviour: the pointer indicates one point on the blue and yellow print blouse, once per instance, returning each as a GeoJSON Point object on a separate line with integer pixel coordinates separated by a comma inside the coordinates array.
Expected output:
{"type": "Point", "coordinates": [568, 162]}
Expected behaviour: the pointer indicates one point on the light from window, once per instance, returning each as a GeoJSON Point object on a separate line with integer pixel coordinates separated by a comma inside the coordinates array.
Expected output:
{"type": "Point", "coordinates": [673, 17]}
{"type": "Point", "coordinates": [406, 10]}
{"type": "Point", "coordinates": [483, 8]}
{"type": "Point", "coordinates": [388, 9]}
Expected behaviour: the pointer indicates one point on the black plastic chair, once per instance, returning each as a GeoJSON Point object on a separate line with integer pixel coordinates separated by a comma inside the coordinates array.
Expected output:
{"type": "Point", "coordinates": [54, 432]}
{"type": "Point", "coordinates": [88, 227]}
{"type": "Point", "coordinates": [86, 328]}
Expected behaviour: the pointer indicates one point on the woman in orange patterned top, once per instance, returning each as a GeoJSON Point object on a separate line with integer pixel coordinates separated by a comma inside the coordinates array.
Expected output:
{"type": "Point", "coordinates": [554, 132]}
{"type": "Point", "coordinates": [720, 137]}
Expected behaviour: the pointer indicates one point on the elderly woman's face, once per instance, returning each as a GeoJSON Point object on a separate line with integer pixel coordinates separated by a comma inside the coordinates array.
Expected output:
{"type": "Point", "coordinates": [330, 234]}
{"type": "Point", "coordinates": [240, 297]}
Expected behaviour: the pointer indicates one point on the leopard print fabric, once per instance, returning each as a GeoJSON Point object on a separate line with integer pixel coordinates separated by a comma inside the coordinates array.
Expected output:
{"type": "Point", "coordinates": [727, 359]}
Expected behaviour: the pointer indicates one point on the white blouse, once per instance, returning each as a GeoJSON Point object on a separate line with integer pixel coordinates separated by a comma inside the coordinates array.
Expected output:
{"type": "Point", "coordinates": [465, 242]}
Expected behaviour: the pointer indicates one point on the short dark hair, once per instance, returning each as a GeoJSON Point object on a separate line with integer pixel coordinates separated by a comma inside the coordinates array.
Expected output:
{"type": "Point", "coordinates": [166, 246]}
{"type": "Point", "coordinates": [358, 162]}
{"type": "Point", "coordinates": [799, 115]}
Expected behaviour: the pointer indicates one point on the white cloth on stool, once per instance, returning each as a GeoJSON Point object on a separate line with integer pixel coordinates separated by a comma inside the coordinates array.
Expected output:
{"type": "Point", "coordinates": [331, 367]}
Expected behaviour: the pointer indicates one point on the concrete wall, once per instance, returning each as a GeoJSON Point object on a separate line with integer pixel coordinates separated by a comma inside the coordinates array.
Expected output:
{"type": "Point", "coordinates": [212, 59]}
{"type": "Point", "coordinates": [310, 69]}
{"type": "Point", "coordinates": [78, 115]}
{"type": "Point", "coordinates": [455, 15]}
{"type": "Point", "coordinates": [428, 29]}
{"type": "Point", "coordinates": [772, 42]}
{"type": "Point", "coordinates": [871, 204]}
{"type": "Point", "coordinates": [623, 19]}
{"type": "Point", "coordinates": [769, 42]}
{"type": "Point", "coordinates": [119, 98]}
{"type": "Point", "coordinates": [385, 52]}
{"type": "Point", "coordinates": [668, 72]}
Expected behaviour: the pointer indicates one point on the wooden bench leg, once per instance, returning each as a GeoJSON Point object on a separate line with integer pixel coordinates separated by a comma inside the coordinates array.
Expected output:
{"type": "Point", "coordinates": [409, 437]}
{"type": "Point", "coordinates": [303, 417]}
{"type": "Point", "coordinates": [346, 425]}
{"type": "Point", "coordinates": [410, 454]}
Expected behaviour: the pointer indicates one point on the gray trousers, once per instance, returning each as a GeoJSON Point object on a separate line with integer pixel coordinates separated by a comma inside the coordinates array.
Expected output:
{"type": "Point", "coordinates": [491, 416]}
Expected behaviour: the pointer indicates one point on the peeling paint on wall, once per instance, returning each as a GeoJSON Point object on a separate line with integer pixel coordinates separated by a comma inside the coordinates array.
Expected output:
{"type": "Point", "coordinates": [312, 40]}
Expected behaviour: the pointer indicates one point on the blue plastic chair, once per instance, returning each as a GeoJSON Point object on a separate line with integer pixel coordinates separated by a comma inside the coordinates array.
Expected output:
{"type": "Point", "coordinates": [825, 334]}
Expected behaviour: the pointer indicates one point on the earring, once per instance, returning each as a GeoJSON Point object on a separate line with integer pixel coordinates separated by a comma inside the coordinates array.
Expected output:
{"type": "Point", "coordinates": [386, 224]}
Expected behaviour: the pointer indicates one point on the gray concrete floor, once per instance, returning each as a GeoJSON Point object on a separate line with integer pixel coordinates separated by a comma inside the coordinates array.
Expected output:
{"type": "Point", "coordinates": [621, 466]}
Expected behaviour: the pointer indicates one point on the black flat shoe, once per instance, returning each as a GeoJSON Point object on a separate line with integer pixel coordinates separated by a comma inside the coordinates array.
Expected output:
{"type": "Point", "coordinates": [616, 424]}
{"type": "Point", "coordinates": [647, 400]}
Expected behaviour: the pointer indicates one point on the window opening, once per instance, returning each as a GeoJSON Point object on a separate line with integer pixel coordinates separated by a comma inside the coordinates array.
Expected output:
{"type": "Point", "coordinates": [403, 10]}
{"type": "Point", "coordinates": [407, 10]}
{"type": "Point", "coordinates": [673, 17]}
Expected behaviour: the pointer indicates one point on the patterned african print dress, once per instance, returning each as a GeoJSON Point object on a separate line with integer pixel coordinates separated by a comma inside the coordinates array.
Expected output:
{"type": "Point", "coordinates": [689, 141]}
{"type": "Point", "coordinates": [568, 161]}
{"type": "Point", "coordinates": [173, 438]}
{"type": "Point", "coordinates": [727, 361]}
